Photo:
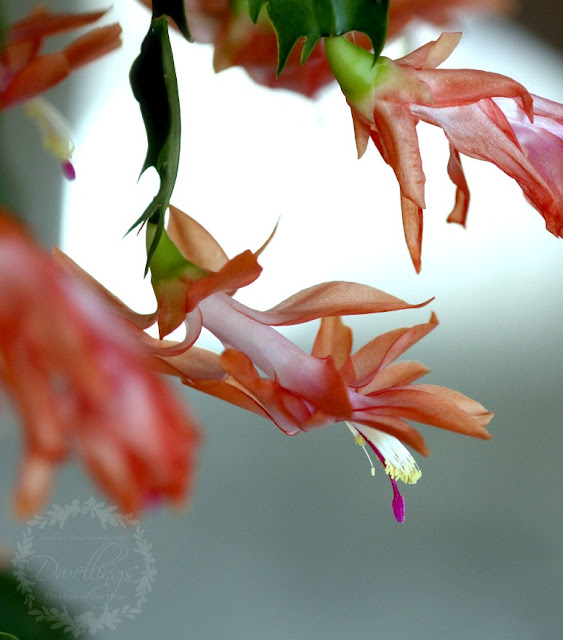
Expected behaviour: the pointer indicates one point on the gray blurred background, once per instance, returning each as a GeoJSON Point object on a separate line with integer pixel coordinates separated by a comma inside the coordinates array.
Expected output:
{"type": "Point", "coordinates": [290, 538]}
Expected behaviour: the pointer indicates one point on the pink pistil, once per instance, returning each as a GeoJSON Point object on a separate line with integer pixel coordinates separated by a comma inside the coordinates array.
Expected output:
{"type": "Point", "coordinates": [398, 503]}
{"type": "Point", "coordinates": [68, 170]}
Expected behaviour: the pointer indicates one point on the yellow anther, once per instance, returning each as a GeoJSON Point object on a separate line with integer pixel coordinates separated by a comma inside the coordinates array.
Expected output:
{"type": "Point", "coordinates": [53, 127]}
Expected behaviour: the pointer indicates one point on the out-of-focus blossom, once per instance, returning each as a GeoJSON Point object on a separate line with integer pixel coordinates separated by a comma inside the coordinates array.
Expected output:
{"type": "Point", "coordinates": [241, 43]}
{"type": "Point", "coordinates": [438, 12]}
{"type": "Point", "coordinates": [264, 372]}
{"type": "Point", "coordinates": [25, 73]}
{"type": "Point", "coordinates": [483, 115]}
{"type": "Point", "coordinates": [82, 385]}
{"type": "Point", "coordinates": [238, 42]}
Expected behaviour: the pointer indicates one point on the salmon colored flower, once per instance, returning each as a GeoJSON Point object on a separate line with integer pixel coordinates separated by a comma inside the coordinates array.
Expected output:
{"type": "Point", "coordinates": [264, 372]}
{"type": "Point", "coordinates": [82, 385]}
{"type": "Point", "coordinates": [25, 73]}
{"type": "Point", "coordinates": [367, 390]}
{"type": "Point", "coordinates": [483, 115]}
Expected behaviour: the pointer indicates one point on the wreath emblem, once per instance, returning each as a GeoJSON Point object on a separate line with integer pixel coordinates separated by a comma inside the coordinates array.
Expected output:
{"type": "Point", "coordinates": [87, 621]}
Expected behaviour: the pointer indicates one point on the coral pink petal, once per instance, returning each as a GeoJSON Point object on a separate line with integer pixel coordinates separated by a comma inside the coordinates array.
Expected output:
{"type": "Point", "coordinates": [457, 176]}
{"type": "Point", "coordinates": [328, 299]}
{"type": "Point", "coordinates": [93, 45]}
{"type": "Point", "coordinates": [141, 320]}
{"type": "Point", "coordinates": [381, 351]}
{"type": "Point", "coordinates": [432, 54]}
{"type": "Point", "coordinates": [42, 23]}
{"type": "Point", "coordinates": [333, 339]}
{"type": "Point", "coordinates": [238, 272]}
{"type": "Point", "coordinates": [421, 405]}
{"type": "Point", "coordinates": [398, 373]}
{"type": "Point", "coordinates": [195, 243]}
{"type": "Point", "coordinates": [37, 76]}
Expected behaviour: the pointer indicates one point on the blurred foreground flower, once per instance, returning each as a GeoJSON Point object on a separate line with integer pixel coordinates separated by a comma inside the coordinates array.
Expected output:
{"type": "Point", "coordinates": [483, 115]}
{"type": "Point", "coordinates": [81, 385]}
{"type": "Point", "coordinates": [264, 372]}
{"type": "Point", "coordinates": [25, 74]}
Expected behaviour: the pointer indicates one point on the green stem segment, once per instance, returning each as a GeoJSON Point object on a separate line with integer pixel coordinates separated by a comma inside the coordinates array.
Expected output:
{"type": "Point", "coordinates": [354, 68]}
{"type": "Point", "coordinates": [153, 80]}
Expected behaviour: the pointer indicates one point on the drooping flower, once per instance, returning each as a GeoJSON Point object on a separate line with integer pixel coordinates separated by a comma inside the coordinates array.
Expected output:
{"type": "Point", "coordinates": [483, 115]}
{"type": "Point", "coordinates": [25, 73]}
{"type": "Point", "coordinates": [370, 391]}
{"type": "Point", "coordinates": [264, 372]}
{"type": "Point", "coordinates": [82, 385]}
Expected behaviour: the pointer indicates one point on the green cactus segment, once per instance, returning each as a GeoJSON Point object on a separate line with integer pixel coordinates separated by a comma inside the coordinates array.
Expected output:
{"type": "Point", "coordinates": [316, 19]}
{"type": "Point", "coordinates": [153, 80]}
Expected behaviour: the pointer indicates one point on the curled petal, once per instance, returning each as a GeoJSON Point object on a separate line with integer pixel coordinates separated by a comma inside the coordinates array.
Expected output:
{"type": "Point", "coordinates": [41, 23]}
{"type": "Point", "coordinates": [396, 128]}
{"type": "Point", "coordinates": [393, 375]}
{"type": "Point", "coordinates": [141, 320]}
{"type": "Point", "coordinates": [286, 408]}
{"type": "Point", "coordinates": [453, 87]}
{"type": "Point", "coordinates": [328, 299]}
{"type": "Point", "coordinates": [368, 361]}
{"type": "Point", "coordinates": [194, 241]}
{"type": "Point", "coordinates": [92, 45]}
{"type": "Point", "coordinates": [192, 364]}
{"type": "Point", "coordinates": [457, 176]}
{"type": "Point", "coordinates": [432, 54]}
{"type": "Point", "coordinates": [425, 404]}
{"type": "Point", "coordinates": [238, 272]}
{"type": "Point", "coordinates": [37, 76]}
{"type": "Point", "coordinates": [412, 226]}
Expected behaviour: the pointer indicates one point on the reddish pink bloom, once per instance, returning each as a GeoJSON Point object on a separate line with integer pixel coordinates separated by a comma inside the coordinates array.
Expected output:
{"type": "Point", "coordinates": [483, 115]}
{"type": "Point", "coordinates": [81, 385]}
{"type": "Point", "coordinates": [264, 372]}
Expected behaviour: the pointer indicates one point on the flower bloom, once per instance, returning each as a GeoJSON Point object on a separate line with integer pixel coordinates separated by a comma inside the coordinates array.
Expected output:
{"type": "Point", "coordinates": [367, 389]}
{"type": "Point", "coordinates": [483, 115]}
{"type": "Point", "coordinates": [25, 73]}
{"type": "Point", "coordinates": [264, 372]}
{"type": "Point", "coordinates": [82, 385]}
